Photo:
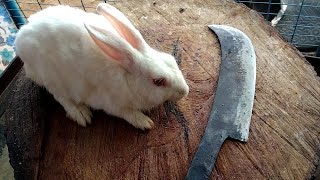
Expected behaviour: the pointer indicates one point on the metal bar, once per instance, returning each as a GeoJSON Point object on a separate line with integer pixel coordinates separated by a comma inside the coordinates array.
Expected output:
{"type": "Point", "coordinates": [308, 56]}
{"type": "Point", "coordinates": [39, 4]}
{"type": "Point", "coordinates": [294, 31]}
{"type": "Point", "coordinates": [83, 6]}
{"type": "Point", "coordinates": [312, 45]}
{"type": "Point", "coordinates": [305, 5]}
{"type": "Point", "coordinates": [250, 3]}
{"type": "Point", "coordinates": [267, 3]}
{"type": "Point", "coordinates": [290, 25]}
{"type": "Point", "coordinates": [301, 35]}
{"type": "Point", "coordinates": [21, 24]}
{"type": "Point", "coordinates": [299, 15]}
{"type": "Point", "coordinates": [15, 13]}
{"type": "Point", "coordinates": [268, 11]}
{"type": "Point", "coordinates": [292, 15]}
{"type": "Point", "coordinates": [264, 13]}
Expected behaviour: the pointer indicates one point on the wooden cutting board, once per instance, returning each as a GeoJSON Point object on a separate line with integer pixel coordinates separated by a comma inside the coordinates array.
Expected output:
{"type": "Point", "coordinates": [284, 140]}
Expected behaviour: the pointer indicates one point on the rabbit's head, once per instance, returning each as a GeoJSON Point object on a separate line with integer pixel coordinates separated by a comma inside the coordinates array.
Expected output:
{"type": "Point", "coordinates": [153, 76]}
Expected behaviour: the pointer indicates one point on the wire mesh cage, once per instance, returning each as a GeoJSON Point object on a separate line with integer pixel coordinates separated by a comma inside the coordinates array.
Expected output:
{"type": "Point", "coordinates": [298, 21]}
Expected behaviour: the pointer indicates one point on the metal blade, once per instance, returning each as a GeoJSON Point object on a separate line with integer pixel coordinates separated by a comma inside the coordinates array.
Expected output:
{"type": "Point", "coordinates": [234, 97]}
{"type": "Point", "coordinates": [233, 102]}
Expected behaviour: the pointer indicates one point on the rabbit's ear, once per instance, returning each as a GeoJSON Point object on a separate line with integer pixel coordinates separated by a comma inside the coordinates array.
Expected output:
{"type": "Point", "coordinates": [112, 45]}
{"type": "Point", "coordinates": [122, 25]}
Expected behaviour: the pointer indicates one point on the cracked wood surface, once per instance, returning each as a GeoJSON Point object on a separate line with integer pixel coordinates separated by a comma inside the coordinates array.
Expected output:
{"type": "Point", "coordinates": [284, 141]}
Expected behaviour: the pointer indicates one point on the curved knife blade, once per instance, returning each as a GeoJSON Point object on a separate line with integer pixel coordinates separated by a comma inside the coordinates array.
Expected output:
{"type": "Point", "coordinates": [232, 107]}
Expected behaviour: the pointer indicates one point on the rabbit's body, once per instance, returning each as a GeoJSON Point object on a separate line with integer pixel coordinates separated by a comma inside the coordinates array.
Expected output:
{"type": "Point", "coordinates": [60, 54]}
{"type": "Point", "coordinates": [56, 70]}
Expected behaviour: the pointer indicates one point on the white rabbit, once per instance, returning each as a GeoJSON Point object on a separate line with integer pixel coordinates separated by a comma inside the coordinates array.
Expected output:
{"type": "Point", "coordinates": [99, 61]}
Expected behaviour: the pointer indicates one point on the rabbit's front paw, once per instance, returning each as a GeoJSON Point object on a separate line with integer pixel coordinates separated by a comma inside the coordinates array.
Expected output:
{"type": "Point", "coordinates": [139, 120]}
{"type": "Point", "coordinates": [144, 123]}
{"type": "Point", "coordinates": [81, 114]}
{"type": "Point", "coordinates": [77, 112]}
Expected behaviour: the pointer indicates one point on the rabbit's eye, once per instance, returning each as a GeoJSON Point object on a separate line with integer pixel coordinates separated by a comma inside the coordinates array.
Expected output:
{"type": "Point", "coordinates": [159, 82]}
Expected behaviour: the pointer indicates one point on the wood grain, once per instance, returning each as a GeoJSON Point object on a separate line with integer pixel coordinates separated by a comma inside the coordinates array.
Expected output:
{"type": "Point", "coordinates": [284, 140]}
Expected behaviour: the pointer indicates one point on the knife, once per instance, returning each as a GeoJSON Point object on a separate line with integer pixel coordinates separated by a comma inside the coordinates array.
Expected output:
{"type": "Point", "coordinates": [233, 102]}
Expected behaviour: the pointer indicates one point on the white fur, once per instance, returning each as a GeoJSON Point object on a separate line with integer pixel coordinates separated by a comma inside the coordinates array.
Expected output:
{"type": "Point", "coordinates": [62, 50]}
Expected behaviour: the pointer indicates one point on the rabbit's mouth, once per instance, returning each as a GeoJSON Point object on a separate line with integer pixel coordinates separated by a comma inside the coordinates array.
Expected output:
{"type": "Point", "coordinates": [179, 95]}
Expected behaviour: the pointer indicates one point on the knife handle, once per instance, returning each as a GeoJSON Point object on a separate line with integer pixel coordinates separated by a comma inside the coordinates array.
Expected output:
{"type": "Point", "coordinates": [205, 157]}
